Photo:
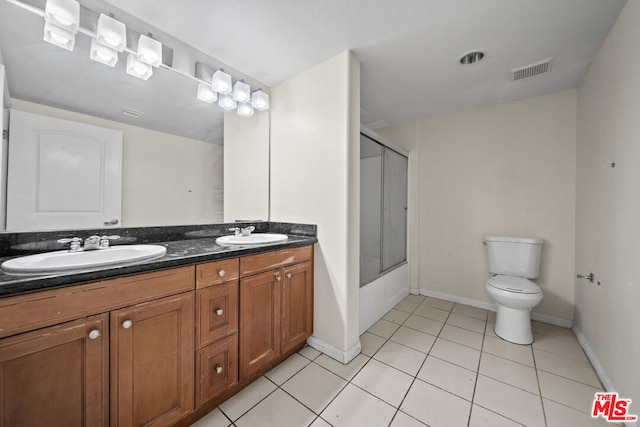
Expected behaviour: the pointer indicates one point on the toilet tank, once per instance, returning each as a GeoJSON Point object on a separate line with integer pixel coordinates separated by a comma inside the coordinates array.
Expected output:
{"type": "Point", "coordinates": [514, 256]}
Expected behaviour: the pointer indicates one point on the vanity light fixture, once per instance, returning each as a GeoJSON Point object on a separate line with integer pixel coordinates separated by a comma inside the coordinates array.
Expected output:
{"type": "Point", "coordinates": [63, 13]}
{"type": "Point", "coordinates": [59, 36]}
{"type": "Point", "coordinates": [138, 69]}
{"type": "Point", "coordinates": [245, 109]}
{"type": "Point", "coordinates": [149, 51]}
{"type": "Point", "coordinates": [111, 33]}
{"type": "Point", "coordinates": [103, 54]}
{"type": "Point", "coordinates": [241, 92]}
{"type": "Point", "coordinates": [221, 82]}
{"type": "Point", "coordinates": [227, 102]}
{"type": "Point", "coordinates": [206, 94]}
{"type": "Point", "coordinates": [260, 100]}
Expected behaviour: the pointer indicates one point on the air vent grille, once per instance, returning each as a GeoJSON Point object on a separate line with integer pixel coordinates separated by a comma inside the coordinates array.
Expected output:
{"type": "Point", "coordinates": [531, 70]}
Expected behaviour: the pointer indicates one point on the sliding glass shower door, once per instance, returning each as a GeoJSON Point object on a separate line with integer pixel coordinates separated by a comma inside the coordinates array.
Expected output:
{"type": "Point", "coordinates": [383, 209]}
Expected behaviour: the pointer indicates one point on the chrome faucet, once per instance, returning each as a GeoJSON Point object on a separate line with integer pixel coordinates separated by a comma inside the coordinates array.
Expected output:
{"type": "Point", "coordinates": [247, 231]}
{"type": "Point", "coordinates": [236, 231]}
{"type": "Point", "coordinates": [90, 243]}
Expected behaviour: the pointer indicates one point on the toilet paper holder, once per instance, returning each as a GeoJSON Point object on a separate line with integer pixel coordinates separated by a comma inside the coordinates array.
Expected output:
{"type": "Point", "coordinates": [589, 277]}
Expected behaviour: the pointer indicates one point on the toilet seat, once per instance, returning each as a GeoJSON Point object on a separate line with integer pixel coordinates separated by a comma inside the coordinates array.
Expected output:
{"type": "Point", "coordinates": [514, 284]}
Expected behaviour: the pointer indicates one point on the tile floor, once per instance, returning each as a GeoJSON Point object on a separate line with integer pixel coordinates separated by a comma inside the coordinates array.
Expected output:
{"type": "Point", "coordinates": [427, 362]}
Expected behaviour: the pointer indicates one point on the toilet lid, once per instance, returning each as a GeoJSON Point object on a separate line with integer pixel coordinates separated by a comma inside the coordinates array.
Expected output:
{"type": "Point", "coordinates": [514, 284]}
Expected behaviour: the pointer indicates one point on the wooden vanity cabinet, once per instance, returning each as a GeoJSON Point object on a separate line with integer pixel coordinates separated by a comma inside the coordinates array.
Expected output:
{"type": "Point", "coordinates": [56, 376]}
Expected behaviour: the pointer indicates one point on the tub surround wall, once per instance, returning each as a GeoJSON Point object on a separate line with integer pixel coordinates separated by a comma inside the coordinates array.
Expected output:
{"type": "Point", "coordinates": [315, 157]}
{"type": "Point", "coordinates": [608, 207]}
{"type": "Point", "coordinates": [166, 179]}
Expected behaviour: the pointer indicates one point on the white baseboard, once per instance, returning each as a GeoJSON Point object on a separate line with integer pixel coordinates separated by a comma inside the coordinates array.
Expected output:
{"type": "Point", "coordinates": [544, 318]}
{"type": "Point", "coordinates": [334, 352]}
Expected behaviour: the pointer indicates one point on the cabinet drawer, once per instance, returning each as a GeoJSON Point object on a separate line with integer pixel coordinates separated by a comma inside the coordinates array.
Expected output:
{"type": "Point", "coordinates": [216, 368]}
{"type": "Point", "coordinates": [217, 313]}
{"type": "Point", "coordinates": [31, 311]}
{"type": "Point", "coordinates": [216, 272]}
{"type": "Point", "coordinates": [271, 260]}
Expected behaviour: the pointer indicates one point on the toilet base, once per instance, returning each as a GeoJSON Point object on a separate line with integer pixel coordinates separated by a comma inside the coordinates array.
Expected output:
{"type": "Point", "coordinates": [514, 325]}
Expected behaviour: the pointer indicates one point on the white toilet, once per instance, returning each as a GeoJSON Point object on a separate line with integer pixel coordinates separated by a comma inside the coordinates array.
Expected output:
{"type": "Point", "coordinates": [514, 260]}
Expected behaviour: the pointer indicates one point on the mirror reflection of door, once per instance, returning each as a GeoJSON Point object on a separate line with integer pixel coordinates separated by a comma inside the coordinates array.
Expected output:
{"type": "Point", "coordinates": [62, 174]}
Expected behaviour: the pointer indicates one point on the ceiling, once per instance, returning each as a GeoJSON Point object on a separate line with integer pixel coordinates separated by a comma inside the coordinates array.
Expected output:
{"type": "Point", "coordinates": [408, 50]}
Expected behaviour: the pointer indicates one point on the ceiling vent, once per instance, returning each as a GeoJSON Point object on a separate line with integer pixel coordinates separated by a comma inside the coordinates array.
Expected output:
{"type": "Point", "coordinates": [531, 70]}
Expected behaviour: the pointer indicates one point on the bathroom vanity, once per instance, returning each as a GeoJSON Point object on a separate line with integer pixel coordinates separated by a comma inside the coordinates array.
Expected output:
{"type": "Point", "coordinates": [161, 347]}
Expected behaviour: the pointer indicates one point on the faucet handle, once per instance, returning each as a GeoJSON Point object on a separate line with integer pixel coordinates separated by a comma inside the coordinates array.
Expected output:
{"type": "Point", "coordinates": [247, 231]}
{"type": "Point", "coordinates": [236, 230]}
{"type": "Point", "coordinates": [75, 243]}
{"type": "Point", "coordinates": [104, 241]}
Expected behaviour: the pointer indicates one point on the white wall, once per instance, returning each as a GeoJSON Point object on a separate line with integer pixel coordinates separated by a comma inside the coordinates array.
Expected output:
{"type": "Point", "coordinates": [167, 179]}
{"type": "Point", "coordinates": [315, 172]}
{"type": "Point", "coordinates": [608, 205]}
{"type": "Point", "coordinates": [506, 169]}
{"type": "Point", "coordinates": [246, 166]}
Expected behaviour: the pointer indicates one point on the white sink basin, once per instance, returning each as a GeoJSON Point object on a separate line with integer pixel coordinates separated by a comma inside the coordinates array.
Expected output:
{"type": "Point", "coordinates": [253, 239]}
{"type": "Point", "coordinates": [54, 262]}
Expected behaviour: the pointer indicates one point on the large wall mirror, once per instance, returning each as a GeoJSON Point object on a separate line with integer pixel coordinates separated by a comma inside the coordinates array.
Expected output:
{"type": "Point", "coordinates": [173, 143]}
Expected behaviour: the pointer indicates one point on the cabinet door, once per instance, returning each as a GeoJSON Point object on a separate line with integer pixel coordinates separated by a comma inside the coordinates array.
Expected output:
{"type": "Point", "coordinates": [217, 313]}
{"type": "Point", "coordinates": [216, 368]}
{"type": "Point", "coordinates": [152, 362]}
{"type": "Point", "coordinates": [57, 376]}
{"type": "Point", "coordinates": [297, 305]}
{"type": "Point", "coordinates": [259, 321]}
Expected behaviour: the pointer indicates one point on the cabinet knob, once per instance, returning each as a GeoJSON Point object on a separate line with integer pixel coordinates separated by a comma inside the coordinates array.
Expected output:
{"type": "Point", "coordinates": [95, 334]}
{"type": "Point", "coordinates": [219, 369]}
{"type": "Point", "coordinates": [219, 312]}
{"type": "Point", "coordinates": [221, 273]}
{"type": "Point", "coordinates": [278, 278]}
{"type": "Point", "coordinates": [288, 275]}
{"type": "Point", "coordinates": [127, 324]}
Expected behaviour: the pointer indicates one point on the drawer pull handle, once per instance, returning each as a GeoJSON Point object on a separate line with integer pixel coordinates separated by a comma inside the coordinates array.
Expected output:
{"type": "Point", "coordinates": [221, 273]}
{"type": "Point", "coordinates": [127, 324]}
{"type": "Point", "coordinates": [219, 312]}
{"type": "Point", "coordinates": [95, 334]}
{"type": "Point", "coordinates": [278, 278]}
{"type": "Point", "coordinates": [288, 275]}
{"type": "Point", "coordinates": [219, 369]}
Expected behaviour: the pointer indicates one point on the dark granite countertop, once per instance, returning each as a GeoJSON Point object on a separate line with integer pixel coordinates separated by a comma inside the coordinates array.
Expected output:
{"type": "Point", "coordinates": [197, 246]}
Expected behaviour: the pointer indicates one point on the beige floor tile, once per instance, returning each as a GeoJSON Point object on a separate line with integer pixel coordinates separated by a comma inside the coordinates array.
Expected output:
{"type": "Point", "coordinates": [370, 343]}
{"type": "Point", "coordinates": [406, 306]}
{"type": "Point", "coordinates": [435, 407]}
{"type": "Point", "coordinates": [314, 386]}
{"type": "Point", "coordinates": [346, 371]}
{"type": "Point", "coordinates": [509, 401]}
{"type": "Point", "coordinates": [552, 331]}
{"type": "Point", "coordinates": [214, 418]}
{"type": "Point", "coordinates": [384, 382]}
{"type": "Point", "coordinates": [277, 410]}
{"type": "Point", "coordinates": [383, 328]}
{"type": "Point", "coordinates": [491, 316]}
{"type": "Point", "coordinates": [481, 417]}
{"type": "Point", "coordinates": [247, 398]}
{"type": "Point", "coordinates": [562, 416]}
{"type": "Point", "coordinates": [490, 329]}
{"type": "Point", "coordinates": [287, 369]}
{"type": "Point", "coordinates": [403, 420]}
{"type": "Point", "coordinates": [449, 377]}
{"type": "Point", "coordinates": [467, 310]}
{"type": "Point", "coordinates": [457, 354]}
{"type": "Point", "coordinates": [319, 422]}
{"type": "Point", "coordinates": [401, 357]}
{"type": "Point", "coordinates": [309, 352]}
{"type": "Point", "coordinates": [561, 347]}
{"type": "Point", "coordinates": [415, 298]}
{"type": "Point", "coordinates": [432, 313]}
{"type": "Point", "coordinates": [462, 336]}
{"type": "Point", "coordinates": [396, 316]}
{"type": "Point", "coordinates": [517, 353]}
{"type": "Point", "coordinates": [422, 324]}
{"type": "Point", "coordinates": [567, 392]}
{"type": "Point", "coordinates": [465, 322]}
{"type": "Point", "coordinates": [415, 339]}
{"type": "Point", "coordinates": [438, 303]}
{"type": "Point", "coordinates": [507, 371]}
{"type": "Point", "coordinates": [565, 367]}
{"type": "Point", "coordinates": [355, 407]}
